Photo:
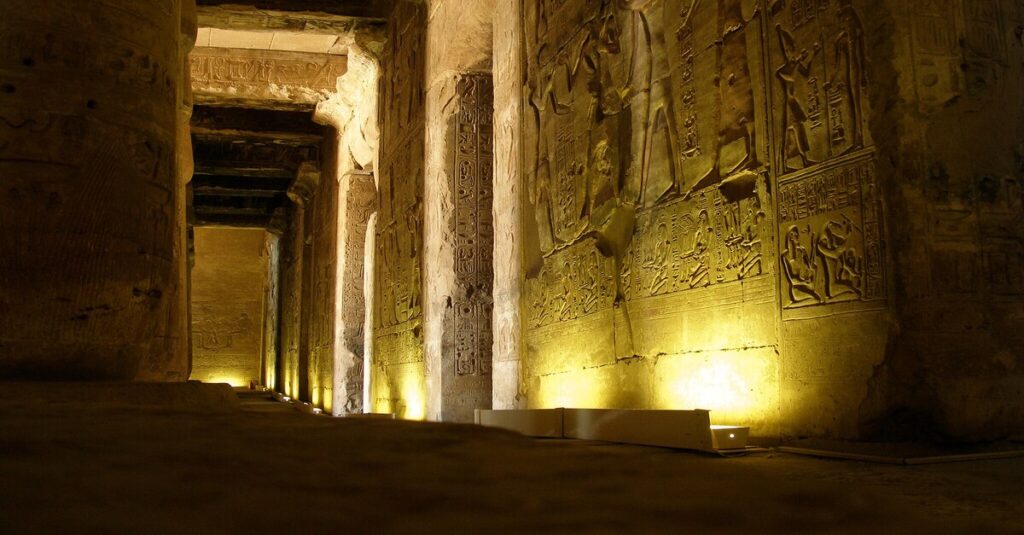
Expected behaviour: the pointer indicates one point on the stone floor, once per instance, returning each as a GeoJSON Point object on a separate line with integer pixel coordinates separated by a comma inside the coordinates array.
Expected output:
{"type": "Point", "coordinates": [135, 464]}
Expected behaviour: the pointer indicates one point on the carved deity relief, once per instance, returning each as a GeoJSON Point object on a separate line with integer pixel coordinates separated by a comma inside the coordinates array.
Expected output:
{"type": "Point", "coordinates": [714, 49]}
{"type": "Point", "coordinates": [472, 186]}
{"type": "Point", "coordinates": [399, 238]}
{"type": "Point", "coordinates": [578, 93]}
{"type": "Point", "coordinates": [830, 235]}
{"type": "Point", "coordinates": [820, 81]}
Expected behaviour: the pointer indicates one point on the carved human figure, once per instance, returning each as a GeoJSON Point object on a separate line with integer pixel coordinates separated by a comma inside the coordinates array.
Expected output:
{"type": "Point", "coordinates": [800, 268]}
{"type": "Point", "coordinates": [750, 263]}
{"type": "Point", "coordinates": [850, 76]}
{"type": "Point", "coordinates": [842, 265]}
{"type": "Point", "coordinates": [735, 86]}
{"type": "Point", "coordinates": [657, 261]}
{"type": "Point", "coordinates": [700, 253]}
{"type": "Point", "coordinates": [794, 118]}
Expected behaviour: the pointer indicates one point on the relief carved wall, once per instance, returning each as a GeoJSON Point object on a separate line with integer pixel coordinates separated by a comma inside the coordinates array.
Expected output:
{"type": "Point", "coordinates": [686, 155]}
{"type": "Point", "coordinates": [398, 311]}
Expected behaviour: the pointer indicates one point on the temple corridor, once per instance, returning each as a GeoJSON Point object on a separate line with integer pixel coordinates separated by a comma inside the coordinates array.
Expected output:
{"type": "Point", "coordinates": [512, 265]}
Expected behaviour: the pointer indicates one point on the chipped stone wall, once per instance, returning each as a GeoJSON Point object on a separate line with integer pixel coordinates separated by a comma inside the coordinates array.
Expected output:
{"type": "Point", "coordinates": [398, 375]}
{"type": "Point", "coordinates": [357, 201]}
{"type": "Point", "coordinates": [261, 77]}
{"type": "Point", "coordinates": [707, 191]}
{"type": "Point", "coordinates": [228, 305]}
{"type": "Point", "coordinates": [949, 128]}
{"type": "Point", "coordinates": [88, 118]}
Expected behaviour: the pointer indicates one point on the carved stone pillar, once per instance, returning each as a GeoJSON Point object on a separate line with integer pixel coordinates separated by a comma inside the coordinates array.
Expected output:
{"type": "Point", "coordinates": [88, 224]}
{"type": "Point", "coordinates": [460, 247]}
{"type": "Point", "coordinates": [356, 202]}
{"type": "Point", "coordinates": [459, 233]}
{"type": "Point", "coordinates": [508, 189]}
{"type": "Point", "coordinates": [297, 282]}
{"type": "Point", "coordinates": [176, 363]}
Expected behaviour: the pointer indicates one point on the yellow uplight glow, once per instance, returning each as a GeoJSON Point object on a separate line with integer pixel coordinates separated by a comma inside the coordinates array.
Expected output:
{"type": "Point", "coordinates": [716, 386]}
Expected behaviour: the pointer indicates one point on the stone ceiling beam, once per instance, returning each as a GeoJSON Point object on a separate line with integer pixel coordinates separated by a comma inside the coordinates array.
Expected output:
{"type": "Point", "coordinates": [223, 156]}
{"type": "Point", "coordinates": [241, 183]}
{"type": "Point", "coordinates": [290, 127]}
{"type": "Point", "coordinates": [314, 10]}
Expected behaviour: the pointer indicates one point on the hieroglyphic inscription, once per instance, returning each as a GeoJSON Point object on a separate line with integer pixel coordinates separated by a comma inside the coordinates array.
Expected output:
{"type": "Point", "coordinates": [830, 234]}
{"type": "Point", "coordinates": [235, 66]}
{"type": "Point", "coordinates": [685, 245]}
{"type": "Point", "coordinates": [580, 283]}
{"type": "Point", "coordinates": [472, 186]}
{"type": "Point", "coordinates": [936, 51]}
{"type": "Point", "coordinates": [820, 81]}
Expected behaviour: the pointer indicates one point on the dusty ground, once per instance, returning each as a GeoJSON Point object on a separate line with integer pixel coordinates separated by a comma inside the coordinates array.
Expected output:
{"type": "Point", "coordinates": [216, 466]}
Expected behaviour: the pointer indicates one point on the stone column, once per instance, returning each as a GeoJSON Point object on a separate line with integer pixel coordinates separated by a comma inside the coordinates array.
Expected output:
{"type": "Point", "coordinates": [176, 363]}
{"type": "Point", "coordinates": [459, 233]}
{"type": "Point", "coordinates": [508, 109]}
{"type": "Point", "coordinates": [88, 118]}
{"type": "Point", "coordinates": [357, 201]}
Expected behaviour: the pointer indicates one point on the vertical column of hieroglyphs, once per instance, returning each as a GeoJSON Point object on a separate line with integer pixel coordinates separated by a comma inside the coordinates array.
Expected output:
{"type": "Point", "coordinates": [86, 206]}
{"type": "Point", "coordinates": [472, 191]}
{"type": "Point", "coordinates": [398, 378]}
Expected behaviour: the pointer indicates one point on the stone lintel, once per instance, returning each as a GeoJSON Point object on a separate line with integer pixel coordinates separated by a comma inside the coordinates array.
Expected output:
{"type": "Point", "coordinates": [264, 78]}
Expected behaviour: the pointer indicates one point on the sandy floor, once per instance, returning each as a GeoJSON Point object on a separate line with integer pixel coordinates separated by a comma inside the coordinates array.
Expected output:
{"type": "Point", "coordinates": [261, 467]}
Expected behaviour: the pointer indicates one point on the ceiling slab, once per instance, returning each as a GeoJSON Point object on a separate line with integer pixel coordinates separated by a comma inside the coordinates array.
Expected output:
{"type": "Point", "coordinates": [281, 127]}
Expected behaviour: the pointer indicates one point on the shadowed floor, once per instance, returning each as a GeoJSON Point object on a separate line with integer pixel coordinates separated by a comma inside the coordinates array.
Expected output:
{"type": "Point", "coordinates": [223, 466]}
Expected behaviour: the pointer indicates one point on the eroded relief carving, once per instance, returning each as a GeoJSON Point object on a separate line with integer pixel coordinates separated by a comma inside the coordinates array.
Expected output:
{"type": "Point", "coordinates": [649, 138]}
{"type": "Point", "coordinates": [830, 234]}
{"type": "Point", "coordinates": [580, 283]}
{"type": "Point", "coordinates": [936, 51]}
{"type": "Point", "coordinates": [399, 236]}
{"type": "Point", "coordinates": [472, 186]}
{"type": "Point", "coordinates": [239, 67]}
{"type": "Point", "coordinates": [213, 332]}
{"type": "Point", "coordinates": [650, 131]}
{"type": "Point", "coordinates": [685, 245]}
{"type": "Point", "coordinates": [820, 81]}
